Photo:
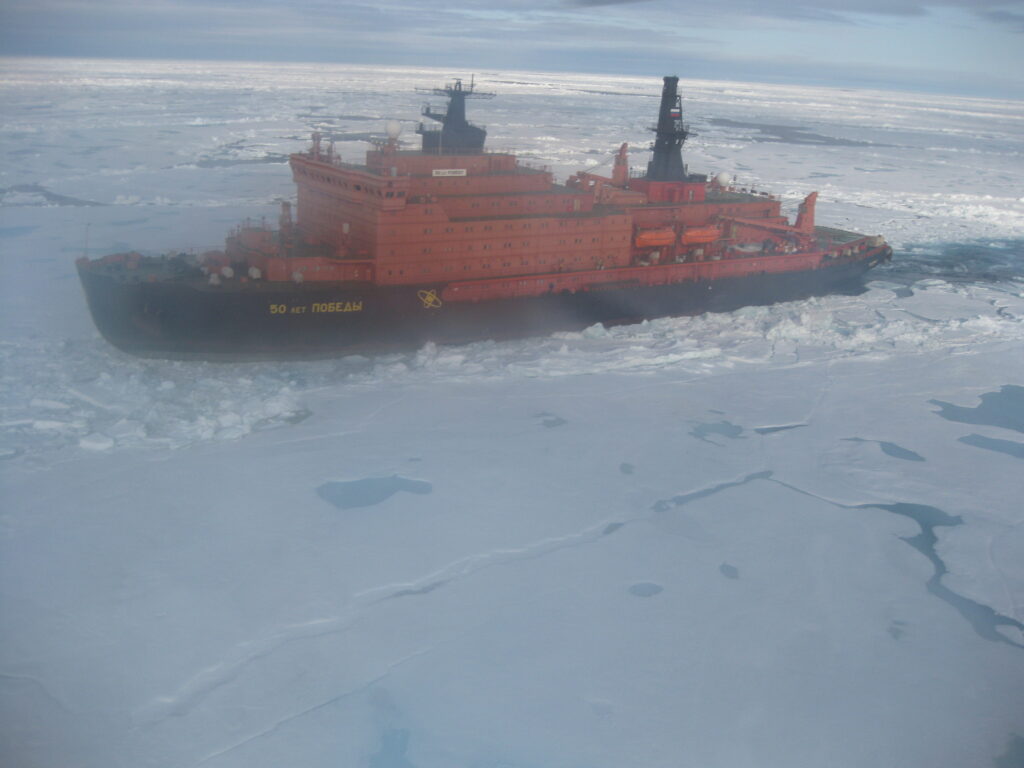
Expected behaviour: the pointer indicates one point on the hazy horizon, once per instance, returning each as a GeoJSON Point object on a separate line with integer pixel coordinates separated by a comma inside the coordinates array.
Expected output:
{"type": "Point", "coordinates": [944, 46]}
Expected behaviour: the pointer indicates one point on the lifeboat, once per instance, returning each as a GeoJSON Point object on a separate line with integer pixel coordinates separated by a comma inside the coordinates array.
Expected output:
{"type": "Point", "coordinates": [654, 238]}
{"type": "Point", "coordinates": [700, 235]}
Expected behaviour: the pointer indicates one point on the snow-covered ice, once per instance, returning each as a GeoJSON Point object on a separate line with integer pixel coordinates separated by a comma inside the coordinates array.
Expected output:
{"type": "Point", "coordinates": [783, 536]}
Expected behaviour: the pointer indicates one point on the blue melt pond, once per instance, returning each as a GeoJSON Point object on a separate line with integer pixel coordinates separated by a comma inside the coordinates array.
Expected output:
{"type": "Point", "coordinates": [645, 589]}
{"type": "Point", "coordinates": [1004, 408]}
{"type": "Point", "coordinates": [348, 494]}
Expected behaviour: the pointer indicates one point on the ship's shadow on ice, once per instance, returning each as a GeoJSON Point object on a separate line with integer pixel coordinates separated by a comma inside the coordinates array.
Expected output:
{"type": "Point", "coordinates": [349, 494]}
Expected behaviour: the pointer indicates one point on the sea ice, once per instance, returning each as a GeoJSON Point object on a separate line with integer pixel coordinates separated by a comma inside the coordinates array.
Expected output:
{"type": "Point", "coordinates": [781, 536]}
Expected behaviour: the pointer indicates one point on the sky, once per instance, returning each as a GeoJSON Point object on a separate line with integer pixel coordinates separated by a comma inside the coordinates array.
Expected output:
{"type": "Point", "coordinates": [957, 46]}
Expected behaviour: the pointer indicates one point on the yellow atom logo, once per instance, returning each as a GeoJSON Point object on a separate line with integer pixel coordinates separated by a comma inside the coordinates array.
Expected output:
{"type": "Point", "coordinates": [429, 298]}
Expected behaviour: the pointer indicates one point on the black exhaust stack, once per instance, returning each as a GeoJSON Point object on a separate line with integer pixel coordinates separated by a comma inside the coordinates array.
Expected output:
{"type": "Point", "coordinates": [670, 133]}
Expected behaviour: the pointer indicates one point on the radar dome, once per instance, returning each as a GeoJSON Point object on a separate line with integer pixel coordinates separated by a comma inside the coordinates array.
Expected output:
{"type": "Point", "coordinates": [393, 128]}
{"type": "Point", "coordinates": [722, 179]}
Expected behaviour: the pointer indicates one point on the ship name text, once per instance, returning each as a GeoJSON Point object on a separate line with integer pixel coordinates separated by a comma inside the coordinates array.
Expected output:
{"type": "Point", "coordinates": [317, 307]}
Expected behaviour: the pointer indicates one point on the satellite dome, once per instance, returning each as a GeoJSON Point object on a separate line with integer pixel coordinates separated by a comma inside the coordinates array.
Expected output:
{"type": "Point", "coordinates": [393, 128]}
{"type": "Point", "coordinates": [722, 179]}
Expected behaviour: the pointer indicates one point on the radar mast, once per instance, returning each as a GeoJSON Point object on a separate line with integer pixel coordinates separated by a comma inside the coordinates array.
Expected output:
{"type": "Point", "coordinates": [456, 136]}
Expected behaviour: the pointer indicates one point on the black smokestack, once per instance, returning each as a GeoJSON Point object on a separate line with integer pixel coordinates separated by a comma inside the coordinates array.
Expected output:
{"type": "Point", "coordinates": [670, 133]}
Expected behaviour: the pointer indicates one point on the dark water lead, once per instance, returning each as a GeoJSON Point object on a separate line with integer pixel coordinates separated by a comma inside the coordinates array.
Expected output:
{"type": "Point", "coordinates": [982, 618]}
{"type": "Point", "coordinates": [791, 134]}
{"type": "Point", "coordinates": [645, 589]}
{"type": "Point", "coordinates": [1004, 408]}
{"type": "Point", "coordinates": [1009, 447]}
{"type": "Point", "coordinates": [723, 428]}
{"type": "Point", "coordinates": [1013, 757]}
{"type": "Point", "coordinates": [550, 420]}
{"type": "Point", "coordinates": [394, 743]}
{"type": "Point", "coordinates": [16, 231]}
{"type": "Point", "coordinates": [347, 494]}
{"type": "Point", "coordinates": [890, 449]}
{"type": "Point", "coordinates": [896, 628]}
{"type": "Point", "coordinates": [729, 571]}
{"type": "Point", "coordinates": [664, 505]}
{"type": "Point", "coordinates": [988, 261]}
{"type": "Point", "coordinates": [51, 198]}
{"type": "Point", "coordinates": [781, 428]}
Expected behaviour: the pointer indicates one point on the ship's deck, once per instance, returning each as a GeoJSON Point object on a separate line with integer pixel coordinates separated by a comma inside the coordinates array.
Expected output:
{"type": "Point", "coordinates": [733, 196]}
{"type": "Point", "coordinates": [837, 235]}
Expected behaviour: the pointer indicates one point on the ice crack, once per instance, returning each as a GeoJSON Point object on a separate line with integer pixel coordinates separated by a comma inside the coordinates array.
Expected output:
{"type": "Point", "coordinates": [313, 708]}
{"type": "Point", "coordinates": [984, 619]}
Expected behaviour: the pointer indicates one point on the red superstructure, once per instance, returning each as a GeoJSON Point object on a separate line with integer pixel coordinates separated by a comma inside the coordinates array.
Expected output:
{"type": "Point", "coordinates": [484, 226]}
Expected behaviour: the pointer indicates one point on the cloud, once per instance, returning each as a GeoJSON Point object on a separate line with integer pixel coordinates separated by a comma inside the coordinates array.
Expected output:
{"type": "Point", "coordinates": [734, 39]}
{"type": "Point", "coordinates": [604, 2]}
{"type": "Point", "coordinates": [822, 9]}
{"type": "Point", "coordinates": [1013, 20]}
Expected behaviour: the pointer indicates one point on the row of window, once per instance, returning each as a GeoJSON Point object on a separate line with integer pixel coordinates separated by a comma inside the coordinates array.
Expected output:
{"type": "Point", "coordinates": [339, 182]}
{"type": "Point", "coordinates": [512, 226]}
{"type": "Point", "coordinates": [574, 262]}
{"type": "Point", "coordinates": [547, 201]}
{"type": "Point", "coordinates": [469, 247]}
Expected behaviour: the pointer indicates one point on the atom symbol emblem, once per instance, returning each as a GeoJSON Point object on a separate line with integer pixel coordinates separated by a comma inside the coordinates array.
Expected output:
{"type": "Point", "coordinates": [429, 298]}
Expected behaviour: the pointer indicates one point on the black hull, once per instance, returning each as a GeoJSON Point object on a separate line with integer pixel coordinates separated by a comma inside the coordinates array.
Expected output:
{"type": "Point", "coordinates": [187, 319]}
